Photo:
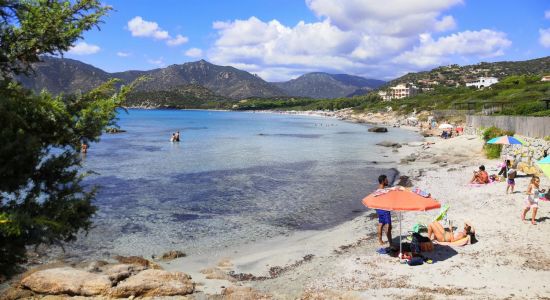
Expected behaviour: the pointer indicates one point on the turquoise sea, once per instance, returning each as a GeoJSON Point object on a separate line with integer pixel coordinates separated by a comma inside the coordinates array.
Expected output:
{"type": "Point", "coordinates": [235, 177]}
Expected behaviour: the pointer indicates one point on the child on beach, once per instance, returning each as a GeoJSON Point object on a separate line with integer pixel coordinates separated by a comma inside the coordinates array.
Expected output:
{"type": "Point", "coordinates": [511, 174]}
{"type": "Point", "coordinates": [532, 201]}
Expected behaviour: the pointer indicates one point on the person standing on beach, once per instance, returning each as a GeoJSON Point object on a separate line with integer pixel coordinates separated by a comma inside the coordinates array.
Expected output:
{"type": "Point", "coordinates": [532, 201]}
{"type": "Point", "coordinates": [384, 216]}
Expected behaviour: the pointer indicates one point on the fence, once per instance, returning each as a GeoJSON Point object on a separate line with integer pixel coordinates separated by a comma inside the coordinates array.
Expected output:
{"type": "Point", "coordinates": [536, 127]}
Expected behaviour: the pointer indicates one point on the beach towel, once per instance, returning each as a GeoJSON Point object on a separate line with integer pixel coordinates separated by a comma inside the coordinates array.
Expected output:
{"type": "Point", "coordinates": [480, 184]}
{"type": "Point", "coordinates": [462, 242]}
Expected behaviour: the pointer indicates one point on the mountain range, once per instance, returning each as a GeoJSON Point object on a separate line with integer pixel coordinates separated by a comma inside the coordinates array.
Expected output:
{"type": "Point", "coordinates": [62, 75]}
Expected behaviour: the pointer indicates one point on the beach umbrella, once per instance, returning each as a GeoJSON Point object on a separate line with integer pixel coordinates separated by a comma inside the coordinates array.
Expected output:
{"type": "Point", "coordinates": [544, 165]}
{"type": "Point", "coordinates": [445, 126]}
{"type": "Point", "coordinates": [399, 199]}
{"type": "Point", "coordinates": [505, 140]}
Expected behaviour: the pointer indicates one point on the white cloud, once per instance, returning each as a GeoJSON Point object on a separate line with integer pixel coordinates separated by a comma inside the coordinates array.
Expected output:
{"type": "Point", "coordinates": [446, 23]}
{"type": "Point", "coordinates": [395, 17]}
{"type": "Point", "coordinates": [159, 62]}
{"type": "Point", "coordinates": [141, 28]}
{"type": "Point", "coordinates": [547, 14]}
{"type": "Point", "coordinates": [83, 48]}
{"type": "Point", "coordinates": [178, 40]}
{"type": "Point", "coordinates": [484, 43]}
{"type": "Point", "coordinates": [194, 52]}
{"type": "Point", "coordinates": [123, 54]}
{"type": "Point", "coordinates": [359, 37]}
{"type": "Point", "coordinates": [544, 37]}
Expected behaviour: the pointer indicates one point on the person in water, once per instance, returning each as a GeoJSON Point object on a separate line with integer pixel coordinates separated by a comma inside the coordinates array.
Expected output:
{"type": "Point", "coordinates": [177, 136]}
{"type": "Point", "coordinates": [84, 148]}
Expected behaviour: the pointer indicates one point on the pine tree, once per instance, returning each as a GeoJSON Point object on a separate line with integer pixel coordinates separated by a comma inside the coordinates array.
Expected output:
{"type": "Point", "coordinates": [42, 199]}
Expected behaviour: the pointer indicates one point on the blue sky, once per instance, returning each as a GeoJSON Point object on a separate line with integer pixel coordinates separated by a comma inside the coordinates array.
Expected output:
{"type": "Point", "coordinates": [282, 39]}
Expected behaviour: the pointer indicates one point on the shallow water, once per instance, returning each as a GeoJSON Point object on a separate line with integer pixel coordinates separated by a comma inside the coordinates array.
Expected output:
{"type": "Point", "coordinates": [234, 178]}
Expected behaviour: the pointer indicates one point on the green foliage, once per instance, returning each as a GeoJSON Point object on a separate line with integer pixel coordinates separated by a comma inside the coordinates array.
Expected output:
{"type": "Point", "coordinates": [493, 150]}
{"type": "Point", "coordinates": [41, 196]}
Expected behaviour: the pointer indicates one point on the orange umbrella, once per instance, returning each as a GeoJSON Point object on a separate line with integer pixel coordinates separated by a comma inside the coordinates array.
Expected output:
{"type": "Point", "coordinates": [399, 199]}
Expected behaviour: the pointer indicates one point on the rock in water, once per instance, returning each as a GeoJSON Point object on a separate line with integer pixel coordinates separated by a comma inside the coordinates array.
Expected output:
{"type": "Point", "coordinates": [67, 281]}
{"type": "Point", "coordinates": [389, 144]}
{"type": "Point", "coordinates": [378, 129]}
{"type": "Point", "coordinates": [172, 255]}
{"type": "Point", "coordinates": [151, 283]}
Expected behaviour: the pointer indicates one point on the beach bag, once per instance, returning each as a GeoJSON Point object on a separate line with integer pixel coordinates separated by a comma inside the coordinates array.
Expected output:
{"type": "Point", "coordinates": [415, 243]}
{"type": "Point", "coordinates": [415, 261]}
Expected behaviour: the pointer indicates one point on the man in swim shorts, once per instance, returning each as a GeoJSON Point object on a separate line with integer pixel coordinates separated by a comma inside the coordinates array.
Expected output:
{"type": "Point", "coordinates": [384, 216]}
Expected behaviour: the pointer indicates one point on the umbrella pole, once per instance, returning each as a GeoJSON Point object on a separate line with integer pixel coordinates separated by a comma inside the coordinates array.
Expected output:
{"type": "Point", "coordinates": [400, 246]}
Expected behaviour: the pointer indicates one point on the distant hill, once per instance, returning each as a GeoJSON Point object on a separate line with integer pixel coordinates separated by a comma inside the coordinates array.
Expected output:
{"type": "Point", "coordinates": [458, 75]}
{"type": "Point", "coordinates": [64, 76]}
{"type": "Point", "coordinates": [68, 76]}
{"type": "Point", "coordinates": [185, 96]}
{"type": "Point", "coordinates": [324, 85]}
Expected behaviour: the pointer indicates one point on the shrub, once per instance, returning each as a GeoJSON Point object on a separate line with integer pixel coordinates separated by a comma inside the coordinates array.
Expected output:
{"type": "Point", "coordinates": [493, 150]}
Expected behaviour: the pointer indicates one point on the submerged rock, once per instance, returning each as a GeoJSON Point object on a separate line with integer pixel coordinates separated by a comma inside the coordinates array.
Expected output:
{"type": "Point", "coordinates": [114, 130]}
{"type": "Point", "coordinates": [389, 144]}
{"type": "Point", "coordinates": [173, 255]}
{"type": "Point", "coordinates": [378, 129]}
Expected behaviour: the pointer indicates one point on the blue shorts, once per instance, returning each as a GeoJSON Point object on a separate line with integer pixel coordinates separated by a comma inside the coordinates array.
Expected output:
{"type": "Point", "coordinates": [384, 217]}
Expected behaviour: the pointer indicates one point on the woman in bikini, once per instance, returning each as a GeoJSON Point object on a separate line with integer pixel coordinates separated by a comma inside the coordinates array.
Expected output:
{"type": "Point", "coordinates": [441, 235]}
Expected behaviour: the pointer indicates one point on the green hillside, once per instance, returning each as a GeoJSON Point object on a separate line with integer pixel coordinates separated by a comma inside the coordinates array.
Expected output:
{"type": "Point", "coordinates": [515, 95]}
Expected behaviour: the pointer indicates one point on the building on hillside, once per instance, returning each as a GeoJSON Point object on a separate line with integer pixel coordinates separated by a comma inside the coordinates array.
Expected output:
{"type": "Point", "coordinates": [482, 82]}
{"type": "Point", "coordinates": [403, 91]}
{"type": "Point", "coordinates": [385, 95]}
{"type": "Point", "coordinates": [545, 78]}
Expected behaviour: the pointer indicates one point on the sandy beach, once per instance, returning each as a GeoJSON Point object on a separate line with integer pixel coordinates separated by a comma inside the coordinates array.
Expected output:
{"type": "Point", "coordinates": [508, 261]}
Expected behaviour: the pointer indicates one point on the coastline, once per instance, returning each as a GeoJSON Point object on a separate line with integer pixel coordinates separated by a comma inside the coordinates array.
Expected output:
{"type": "Point", "coordinates": [341, 262]}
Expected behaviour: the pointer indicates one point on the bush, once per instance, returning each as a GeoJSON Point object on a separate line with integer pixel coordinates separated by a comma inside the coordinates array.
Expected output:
{"type": "Point", "coordinates": [493, 150]}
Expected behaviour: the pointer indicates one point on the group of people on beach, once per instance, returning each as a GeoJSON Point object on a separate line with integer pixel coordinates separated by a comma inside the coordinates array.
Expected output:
{"type": "Point", "coordinates": [509, 173]}
{"type": "Point", "coordinates": [436, 231]}
{"type": "Point", "coordinates": [175, 137]}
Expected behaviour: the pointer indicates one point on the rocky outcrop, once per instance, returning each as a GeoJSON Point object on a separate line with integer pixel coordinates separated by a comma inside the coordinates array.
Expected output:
{"type": "Point", "coordinates": [532, 150]}
{"type": "Point", "coordinates": [154, 283]}
{"type": "Point", "coordinates": [103, 280]}
{"type": "Point", "coordinates": [67, 280]}
{"type": "Point", "coordinates": [243, 293]}
{"type": "Point", "coordinates": [378, 129]}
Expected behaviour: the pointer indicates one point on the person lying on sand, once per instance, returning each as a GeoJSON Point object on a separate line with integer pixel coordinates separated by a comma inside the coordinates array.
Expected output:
{"type": "Point", "coordinates": [439, 233]}
{"type": "Point", "coordinates": [481, 176]}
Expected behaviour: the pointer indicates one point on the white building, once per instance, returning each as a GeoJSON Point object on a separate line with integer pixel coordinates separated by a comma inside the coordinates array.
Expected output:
{"type": "Point", "coordinates": [385, 96]}
{"type": "Point", "coordinates": [483, 82]}
{"type": "Point", "coordinates": [402, 91]}
{"type": "Point", "coordinates": [398, 92]}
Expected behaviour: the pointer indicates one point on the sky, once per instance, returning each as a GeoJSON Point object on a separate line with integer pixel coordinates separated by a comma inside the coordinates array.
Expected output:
{"type": "Point", "coordinates": [283, 39]}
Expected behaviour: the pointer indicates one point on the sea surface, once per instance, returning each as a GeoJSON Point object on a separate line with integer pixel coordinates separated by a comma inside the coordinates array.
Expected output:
{"type": "Point", "coordinates": [234, 178]}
